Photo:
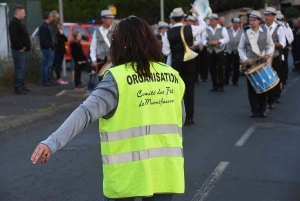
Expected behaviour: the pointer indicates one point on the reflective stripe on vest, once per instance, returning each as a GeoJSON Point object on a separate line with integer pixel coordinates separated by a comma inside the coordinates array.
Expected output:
{"type": "Point", "coordinates": [142, 155]}
{"type": "Point", "coordinates": [140, 131]}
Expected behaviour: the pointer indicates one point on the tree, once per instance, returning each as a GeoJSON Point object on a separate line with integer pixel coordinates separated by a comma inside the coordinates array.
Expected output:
{"type": "Point", "coordinates": [86, 10]}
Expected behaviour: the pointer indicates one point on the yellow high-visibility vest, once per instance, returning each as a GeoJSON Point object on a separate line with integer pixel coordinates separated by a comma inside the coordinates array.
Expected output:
{"type": "Point", "coordinates": [141, 144]}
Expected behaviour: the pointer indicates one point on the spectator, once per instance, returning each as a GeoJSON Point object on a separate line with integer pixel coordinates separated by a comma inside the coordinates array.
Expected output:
{"type": "Point", "coordinates": [47, 44]}
{"type": "Point", "coordinates": [60, 51]}
{"type": "Point", "coordinates": [222, 21]}
{"type": "Point", "coordinates": [78, 57]}
{"type": "Point", "coordinates": [92, 74]}
{"type": "Point", "coordinates": [20, 45]}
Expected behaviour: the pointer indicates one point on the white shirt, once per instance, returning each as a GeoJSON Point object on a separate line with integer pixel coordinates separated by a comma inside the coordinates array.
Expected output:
{"type": "Point", "coordinates": [235, 32]}
{"type": "Point", "coordinates": [223, 40]}
{"type": "Point", "coordinates": [288, 33]}
{"type": "Point", "coordinates": [93, 46]}
{"type": "Point", "coordinates": [269, 48]}
{"type": "Point", "coordinates": [196, 30]}
{"type": "Point", "coordinates": [280, 33]}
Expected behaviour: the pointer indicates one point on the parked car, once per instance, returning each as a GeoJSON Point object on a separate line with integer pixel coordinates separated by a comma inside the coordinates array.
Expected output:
{"type": "Point", "coordinates": [86, 31]}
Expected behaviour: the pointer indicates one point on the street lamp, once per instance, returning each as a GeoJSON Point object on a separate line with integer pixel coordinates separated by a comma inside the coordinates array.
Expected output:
{"type": "Point", "coordinates": [61, 19]}
{"type": "Point", "coordinates": [162, 15]}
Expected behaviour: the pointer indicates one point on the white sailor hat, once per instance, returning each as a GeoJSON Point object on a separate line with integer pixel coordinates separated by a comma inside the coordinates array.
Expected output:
{"type": "Point", "coordinates": [255, 14]}
{"type": "Point", "coordinates": [278, 12]}
{"type": "Point", "coordinates": [236, 20]}
{"type": "Point", "coordinates": [279, 17]}
{"type": "Point", "coordinates": [162, 24]}
{"type": "Point", "coordinates": [214, 16]}
{"type": "Point", "coordinates": [106, 14]}
{"type": "Point", "coordinates": [191, 18]}
{"type": "Point", "coordinates": [270, 10]}
{"type": "Point", "coordinates": [178, 13]}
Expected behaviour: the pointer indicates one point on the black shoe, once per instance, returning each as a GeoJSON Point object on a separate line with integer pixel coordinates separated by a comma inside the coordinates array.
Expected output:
{"type": "Point", "coordinates": [189, 122]}
{"type": "Point", "coordinates": [253, 114]}
{"type": "Point", "coordinates": [271, 106]}
{"type": "Point", "coordinates": [214, 89]}
{"type": "Point", "coordinates": [26, 89]}
{"type": "Point", "coordinates": [235, 84]}
{"type": "Point", "coordinates": [262, 114]}
{"type": "Point", "coordinates": [20, 92]}
{"type": "Point", "coordinates": [198, 82]}
{"type": "Point", "coordinates": [204, 80]}
{"type": "Point", "coordinates": [296, 69]}
{"type": "Point", "coordinates": [277, 100]}
{"type": "Point", "coordinates": [226, 83]}
{"type": "Point", "coordinates": [221, 89]}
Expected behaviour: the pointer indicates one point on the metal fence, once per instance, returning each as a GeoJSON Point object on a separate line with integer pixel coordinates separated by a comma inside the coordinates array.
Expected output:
{"type": "Point", "coordinates": [33, 12]}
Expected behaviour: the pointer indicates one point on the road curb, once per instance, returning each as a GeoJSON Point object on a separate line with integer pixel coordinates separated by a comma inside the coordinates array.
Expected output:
{"type": "Point", "coordinates": [42, 113]}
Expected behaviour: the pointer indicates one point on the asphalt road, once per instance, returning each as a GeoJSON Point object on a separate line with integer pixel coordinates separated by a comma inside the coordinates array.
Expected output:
{"type": "Point", "coordinates": [228, 156]}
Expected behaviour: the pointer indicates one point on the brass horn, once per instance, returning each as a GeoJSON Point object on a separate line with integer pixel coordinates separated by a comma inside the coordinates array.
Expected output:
{"type": "Point", "coordinates": [188, 54]}
{"type": "Point", "coordinates": [203, 8]}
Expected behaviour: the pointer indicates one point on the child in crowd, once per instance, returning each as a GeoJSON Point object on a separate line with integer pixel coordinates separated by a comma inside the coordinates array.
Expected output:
{"type": "Point", "coordinates": [78, 57]}
{"type": "Point", "coordinates": [93, 72]}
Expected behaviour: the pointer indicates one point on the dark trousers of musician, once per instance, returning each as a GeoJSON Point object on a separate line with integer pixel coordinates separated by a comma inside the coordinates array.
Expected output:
{"type": "Point", "coordinates": [101, 63]}
{"type": "Point", "coordinates": [203, 64]}
{"type": "Point", "coordinates": [187, 73]}
{"type": "Point", "coordinates": [258, 102]}
{"type": "Point", "coordinates": [276, 91]}
{"type": "Point", "coordinates": [197, 65]}
{"type": "Point", "coordinates": [216, 68]}
{"type": "Point", "coordinates": [233, 59]}
{"type": "Point", "coordinates": [285, 65]}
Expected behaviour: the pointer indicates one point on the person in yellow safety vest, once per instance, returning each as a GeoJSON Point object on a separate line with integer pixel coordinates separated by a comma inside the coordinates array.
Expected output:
{"type": "Point", "coordinates": [141, 110]}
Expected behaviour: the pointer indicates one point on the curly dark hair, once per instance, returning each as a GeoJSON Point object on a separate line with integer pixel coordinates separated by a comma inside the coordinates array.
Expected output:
{"type": "Point", "coordinates": [134, 42]}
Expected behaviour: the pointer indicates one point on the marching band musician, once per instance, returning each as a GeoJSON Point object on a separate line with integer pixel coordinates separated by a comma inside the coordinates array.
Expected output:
{"type": "Point", "coordinates": [191, 20]}
{"type": "Point", "coordinates": [172, 44]}
{"type": "Point", "coordinates": [215, 39]}
{"type": "Point", "coordinates": [289, 39]}
{"type": "Point", "coordinates": [99, 48]}
{"type": "Point", "coordinates": [278, 36]}
{"type": "Point", "coordinates": [247, 53]}
{"type": "Point", "coordinates": [232, 56]}
{"type": "Point", "coordinates": [163, 27]}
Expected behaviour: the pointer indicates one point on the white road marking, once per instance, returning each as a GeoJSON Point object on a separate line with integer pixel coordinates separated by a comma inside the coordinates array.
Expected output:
{"type": "Point", "coordinates": [245, 136]}
{"type": "Point", "coordinates": [61, 93]}
{"type": "Point", "coordinates": [210, 182]}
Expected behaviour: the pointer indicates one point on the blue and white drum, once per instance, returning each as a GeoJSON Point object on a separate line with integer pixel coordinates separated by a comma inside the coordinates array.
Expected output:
{"type": "Point", "coordinates": [262, 77]}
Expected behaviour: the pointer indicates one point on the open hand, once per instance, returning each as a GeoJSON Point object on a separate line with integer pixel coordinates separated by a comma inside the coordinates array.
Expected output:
{"type": "Point", "coordinates": [194, 10]}
{"type": "Point", "coordinates": [41, 150]}
{"type": "Point", "coordinates": [249, 61]}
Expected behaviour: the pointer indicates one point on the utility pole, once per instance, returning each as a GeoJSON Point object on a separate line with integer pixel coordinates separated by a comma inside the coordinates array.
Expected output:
{"type": "Point", "coordinates": [61, 19]}
{"type": "Point", "coordinates": [162, 14]}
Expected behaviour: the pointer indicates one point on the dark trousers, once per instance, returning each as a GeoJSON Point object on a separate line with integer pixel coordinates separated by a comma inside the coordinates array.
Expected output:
{"type": "Point", "coordinates": [58, 59]}
{"type": "Point", "coordinates": [187, 73]}
{"type": "Point", "coordinates": [91, 84]}
{"type": "Point", "coordinates": [234, 59]}
{"type": "Point", "coordinates": [78, 69]}
{"type": "Point", "coordinates": [258, 102]}
{"type": "Point", "coordinates": [197, 65]}
{"type": "Point", "coordinates": [216, 68]}
{"type": "Point", "coordinates": [20, 64]}
{"type": "Point", "coordinates": [285, 66]}
{"type": "Point", "coordinates": [47, 64]}
{"type": "Point", "coordinates": [101, 63]}
{"type": "Point", "coordinates": [296, 57]}
{"type": "Point", "coordinates": [203, 64]}
{"type": "Point", "coordinates": [161, 197]}
{"type": "Point", "coordinates": [276, 91]}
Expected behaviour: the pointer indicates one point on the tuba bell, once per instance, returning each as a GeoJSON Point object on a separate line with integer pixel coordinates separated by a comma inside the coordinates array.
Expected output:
{"type": "Point", "coordinates": [188, 54]}
{"type": "Point", "coordinates": [203, 8]}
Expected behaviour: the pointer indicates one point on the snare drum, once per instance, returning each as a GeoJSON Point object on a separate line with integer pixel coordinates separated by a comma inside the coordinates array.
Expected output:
{"type": "Point", "coordinates": [262, 77]}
